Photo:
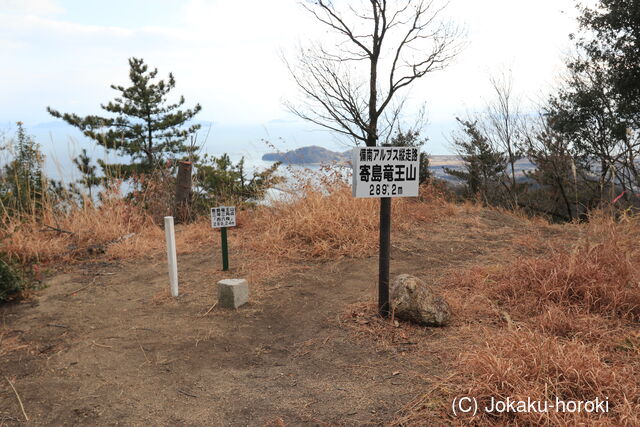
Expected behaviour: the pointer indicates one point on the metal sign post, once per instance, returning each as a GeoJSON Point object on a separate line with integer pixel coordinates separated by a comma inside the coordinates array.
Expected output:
{"type": "Point", "coordinates": [223, 217]}
{"type": "Point", "coordinates": [385, 255]}
{"type": "Point", "coordinates": [385, 172]}
{"type": "Point", "coordinates": [225, 249]}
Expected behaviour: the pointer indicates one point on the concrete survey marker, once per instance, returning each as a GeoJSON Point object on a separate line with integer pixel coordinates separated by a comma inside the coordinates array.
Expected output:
{"type": "Point", "coordinates": [232, 293]}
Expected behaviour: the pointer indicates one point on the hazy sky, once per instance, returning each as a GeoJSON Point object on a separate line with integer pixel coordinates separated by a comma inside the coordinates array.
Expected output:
{"type": "Point", "coordinates": [225, 54]}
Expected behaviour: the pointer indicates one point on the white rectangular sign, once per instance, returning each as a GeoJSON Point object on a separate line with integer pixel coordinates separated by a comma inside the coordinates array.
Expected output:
{"type": "Point", "coordinates": [223, 216]}
{"type": "Point", "coordinates": [386, 171]}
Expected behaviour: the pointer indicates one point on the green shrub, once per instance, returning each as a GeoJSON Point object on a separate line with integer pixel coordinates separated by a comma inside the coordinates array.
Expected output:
{"type": "Point", "coordinates": [10, 281]}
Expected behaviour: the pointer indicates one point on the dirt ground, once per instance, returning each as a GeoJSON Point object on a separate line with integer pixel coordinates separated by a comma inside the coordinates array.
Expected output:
{"type": "Point", "coordinates": [104, 344]}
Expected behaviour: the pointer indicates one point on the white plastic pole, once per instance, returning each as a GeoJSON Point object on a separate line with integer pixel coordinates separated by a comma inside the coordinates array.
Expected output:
{"type": "Point", "coordinates": [171, 254]}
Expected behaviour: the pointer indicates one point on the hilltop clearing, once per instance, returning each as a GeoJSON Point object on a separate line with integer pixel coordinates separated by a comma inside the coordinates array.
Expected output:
{"type": "Point", "coordinates": [104, 343]}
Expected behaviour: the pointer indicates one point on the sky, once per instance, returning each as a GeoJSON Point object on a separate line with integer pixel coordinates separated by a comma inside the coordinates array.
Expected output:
{"type": "Point", "coordinates": [226, 55]}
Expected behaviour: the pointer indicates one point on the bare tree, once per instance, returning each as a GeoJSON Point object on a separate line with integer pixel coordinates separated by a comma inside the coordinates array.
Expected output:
{"type": "Point", "coordinates": [504, 125]}
{"type": "Point", "coordinates": [354, 87]}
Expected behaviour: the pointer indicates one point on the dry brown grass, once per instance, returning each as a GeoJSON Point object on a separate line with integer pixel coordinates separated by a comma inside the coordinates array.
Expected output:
{"type": "Point", "coordinates": [522, 365]}
{"type": "Point", "coordinates": [598, 275]}
{"type": "Point", "coordinates": [326, 222]}
{"type": "Point", "coordinates": [318, 226]}
{"type": "Point", "coordinates": [559, 323]}
{"type": "Point", "coordinates": [84, 228]}
{"type": "Point", "coordinates": [115, 229]}
{"type": "Point", "coordinates": [525, 364]}
{"type": "Point", "coordinates": [323, 222]}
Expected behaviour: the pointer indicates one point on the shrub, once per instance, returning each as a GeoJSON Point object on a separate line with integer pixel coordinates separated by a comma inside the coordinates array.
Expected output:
{"type": "Point", "coordinates": [10, 281]}
{"type": "Point", "coordinates": [218, 180]}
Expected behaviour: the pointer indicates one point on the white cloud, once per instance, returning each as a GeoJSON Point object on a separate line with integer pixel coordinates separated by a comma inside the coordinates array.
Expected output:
{"type": "Point", "coordinates": [242, 21]}
{"type": "Point", "coordinates": [225, 55]}
{"type": "Point", "coordinates": [33, 7]}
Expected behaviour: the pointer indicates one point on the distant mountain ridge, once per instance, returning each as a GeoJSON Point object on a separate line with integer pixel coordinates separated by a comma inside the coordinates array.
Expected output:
{"type": "Point", "coordinates": [307, 155]}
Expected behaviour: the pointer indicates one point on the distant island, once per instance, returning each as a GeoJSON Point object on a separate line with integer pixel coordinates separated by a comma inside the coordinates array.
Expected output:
{"type": "Point", "coordinates": [307, 155]}
{"type": "Point", "coordinates": [437, 163]}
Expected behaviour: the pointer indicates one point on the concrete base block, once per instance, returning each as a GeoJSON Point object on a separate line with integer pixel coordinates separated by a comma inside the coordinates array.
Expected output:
{"type": "Point", "coordinates": [232, 293]}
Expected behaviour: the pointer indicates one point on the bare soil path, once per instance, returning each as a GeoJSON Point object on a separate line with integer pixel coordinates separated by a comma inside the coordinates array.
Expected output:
{"type": "Point", "coordinates": [105, 345]}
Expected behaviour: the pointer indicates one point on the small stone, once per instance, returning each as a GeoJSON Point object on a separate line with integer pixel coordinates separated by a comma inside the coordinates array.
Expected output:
{"type": "Point", "coordinates": [412, 300]}
{"type": "Point", "coordinates": [232, 293]}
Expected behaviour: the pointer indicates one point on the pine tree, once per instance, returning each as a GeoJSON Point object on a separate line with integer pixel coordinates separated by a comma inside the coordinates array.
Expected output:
{"type": "Point", "coordinates": [611, 35]}
{"type": "Point", "coordinates": [89, 178]}
{"type": "Point", "coordinates": [146, 127]}
{"type": "Point", "coordinates": [484, 166]}
{"type": "Point", "coordinates": [22, 187]}
{"type": "Point", "coordinates": [412, 138]}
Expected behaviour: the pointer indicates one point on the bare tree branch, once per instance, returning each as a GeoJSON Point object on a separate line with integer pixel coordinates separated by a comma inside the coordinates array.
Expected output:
{"type": "Point", "coordinates": [348, 86]}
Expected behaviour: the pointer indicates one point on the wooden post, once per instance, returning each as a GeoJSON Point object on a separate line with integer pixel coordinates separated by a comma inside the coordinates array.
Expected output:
{"type": "Point", "coordinates": [183, 192]}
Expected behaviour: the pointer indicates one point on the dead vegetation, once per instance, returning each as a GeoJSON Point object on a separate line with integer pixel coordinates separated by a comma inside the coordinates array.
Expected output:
{"type": "Point", "coordinates": [115, 229]}
{"type": "Point", "coordinates": [322, 222]}
{"type": "Point", "coordinates": [79, 230]}
{"type": "Point", "coordinates": [599, 275]}
{"type": "Point", "coordinates": [325, 222]}
{"type": "Point", "coordinates": [549, 313]}
{"type": "Point", "coordinates": [525, 364]}
{"type": "Point", "coordinates": [559, 325]}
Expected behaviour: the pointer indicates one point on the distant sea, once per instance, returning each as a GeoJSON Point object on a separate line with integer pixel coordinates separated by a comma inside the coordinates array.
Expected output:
{"type": "Point", "coordinates": [61, 143]}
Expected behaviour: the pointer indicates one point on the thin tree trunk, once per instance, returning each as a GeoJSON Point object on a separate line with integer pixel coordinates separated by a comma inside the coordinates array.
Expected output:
{"type": "Point", "coordinates": [373, 94]}
{"type": "Point", "coordinates": [150, 142]}
{"type": "Point", "coordinates": [183, 192]}
{"type": "Point", "coordinates": [564, 197]}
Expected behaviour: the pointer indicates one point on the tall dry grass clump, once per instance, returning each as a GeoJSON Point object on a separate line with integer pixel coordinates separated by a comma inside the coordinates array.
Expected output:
{"type": "Point", "coordinates": [525, 365]}
{"type": "Point", "coordinates": [77, 231]}
{"type": "Point", "coordinates": [599, 275]}
{"type": "Point", "coordinates": [567, 330]}
{"type": "Point", "coordinates": [324, 221]}
{"type": "Point", "coordinates": [576, 311]}
{"type": "Point", "coordinates": [319, 225]}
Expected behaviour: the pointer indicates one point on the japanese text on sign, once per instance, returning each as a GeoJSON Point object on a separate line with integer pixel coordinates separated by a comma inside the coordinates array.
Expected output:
{"type": "Point", "coordinates": [386, 171]}
{"type": "Point", "coordinates": [223, 216]}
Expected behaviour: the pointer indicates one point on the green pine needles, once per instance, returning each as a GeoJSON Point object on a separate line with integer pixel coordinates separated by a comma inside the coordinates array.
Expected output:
{"type": "Point", "coordinates": [10, 282]}
{"type": "Point", "coordinates": [145, 126]}
{"type": "Point", "coordinates": [22, 184]}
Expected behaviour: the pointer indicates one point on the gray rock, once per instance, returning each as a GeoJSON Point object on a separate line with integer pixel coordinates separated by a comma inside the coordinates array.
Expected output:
{"type": "Point", "coordinates": [412, 300]}
{"type": "Point", "coordinates": [232, 293]}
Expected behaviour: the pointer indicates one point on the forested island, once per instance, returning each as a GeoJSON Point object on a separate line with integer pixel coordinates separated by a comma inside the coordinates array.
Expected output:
{"type": "Point", "coordinates": [307, 155]}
